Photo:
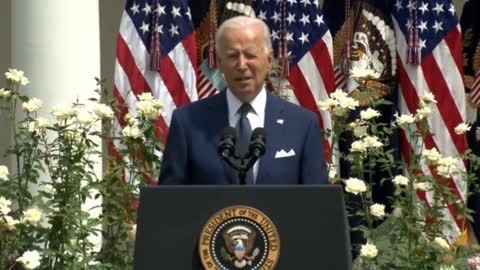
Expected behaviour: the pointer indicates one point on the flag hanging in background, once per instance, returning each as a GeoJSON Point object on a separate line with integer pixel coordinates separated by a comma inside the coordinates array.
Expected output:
{"type": "Point", "coordinates": [156, 52]}
{"type": "Point", "coordinates": [303, 49]}
{"type": "Point", "coordinates": [205, 16]}
{"type": "Point", "coordinates": [429, 51]}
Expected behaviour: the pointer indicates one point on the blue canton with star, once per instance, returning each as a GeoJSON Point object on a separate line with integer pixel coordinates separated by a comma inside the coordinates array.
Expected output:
{"type": "Point", "coordinates": [436, 18]}
{"type": "Point", "coordinates": [174, 21]}
{"type": "Point", "coordinates": [303, 23]}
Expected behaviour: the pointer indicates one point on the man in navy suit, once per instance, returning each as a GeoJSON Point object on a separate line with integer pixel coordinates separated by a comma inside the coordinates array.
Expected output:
{"type": "Point", "coordinates": [294, 145]}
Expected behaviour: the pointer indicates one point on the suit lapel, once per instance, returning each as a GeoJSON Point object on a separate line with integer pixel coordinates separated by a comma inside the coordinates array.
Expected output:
{"type": "Point", "coordinates": [275, 133]}
{"type": "Point", "coordinates": [218, 115]}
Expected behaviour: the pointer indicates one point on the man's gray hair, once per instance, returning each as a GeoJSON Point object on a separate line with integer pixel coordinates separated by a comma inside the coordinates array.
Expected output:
{"type": "Point", "coordinates": [239, 22]}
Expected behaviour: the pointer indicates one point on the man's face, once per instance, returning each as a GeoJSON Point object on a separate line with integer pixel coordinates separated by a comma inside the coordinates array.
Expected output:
{"type": "Point", "coordinates": [244, 61]}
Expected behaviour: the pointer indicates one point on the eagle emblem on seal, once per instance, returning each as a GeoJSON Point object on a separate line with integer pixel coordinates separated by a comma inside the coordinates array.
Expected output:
{"type": "Point", "coordinates": [372, 66]}
{"type": "Point", "coordinates": [240, 245]}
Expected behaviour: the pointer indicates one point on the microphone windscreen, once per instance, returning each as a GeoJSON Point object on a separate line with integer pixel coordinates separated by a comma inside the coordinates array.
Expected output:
{"type": "Point", "coordinates": [258, 133]}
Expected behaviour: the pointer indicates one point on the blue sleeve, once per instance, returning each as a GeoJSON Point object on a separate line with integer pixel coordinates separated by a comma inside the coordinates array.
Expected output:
{"type": "Point", "coordinates": [174, 168]}
{"type": "Point", "coordinates": [314, 167]}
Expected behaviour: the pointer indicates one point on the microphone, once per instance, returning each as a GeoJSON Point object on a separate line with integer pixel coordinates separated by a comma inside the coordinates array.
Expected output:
{"type": "Point", "coordinates": [226, 147]}
{"type": "Point", "coordinates": [257, 142]}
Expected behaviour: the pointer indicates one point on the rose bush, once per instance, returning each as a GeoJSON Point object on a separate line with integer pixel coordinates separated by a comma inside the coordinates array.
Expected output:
{"type": "Point", "coordinates": [45, 221]}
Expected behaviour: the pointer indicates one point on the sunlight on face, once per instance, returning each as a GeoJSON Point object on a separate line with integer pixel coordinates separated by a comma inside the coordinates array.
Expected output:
{"type": "Point", "coordinates": [244, 60]}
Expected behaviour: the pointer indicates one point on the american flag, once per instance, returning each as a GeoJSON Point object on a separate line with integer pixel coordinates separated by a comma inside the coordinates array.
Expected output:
{"type": "Point", "coordinates": [156, 52]}
{"type": "Point", "coordinates": [439, 71]}
{"type": "Point", "coordinates": [475, 91]}
{"type": "Point", "coordinates": [299, 25]}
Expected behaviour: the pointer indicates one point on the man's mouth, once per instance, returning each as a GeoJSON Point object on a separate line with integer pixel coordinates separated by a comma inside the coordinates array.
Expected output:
{"type": "Point", "coordinates": [243, 79]}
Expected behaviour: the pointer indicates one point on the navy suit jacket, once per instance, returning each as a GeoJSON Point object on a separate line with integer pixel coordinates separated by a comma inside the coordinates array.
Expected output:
{"type": "Point", "coordinates": [191, 155]}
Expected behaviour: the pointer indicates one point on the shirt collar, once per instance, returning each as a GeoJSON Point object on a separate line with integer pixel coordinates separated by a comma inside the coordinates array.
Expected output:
{"type": "Point", "coordinates": [258, 103]}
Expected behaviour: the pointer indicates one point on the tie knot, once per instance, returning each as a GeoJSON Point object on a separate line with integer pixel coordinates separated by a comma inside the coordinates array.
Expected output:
{"type": "Point", "coordinates": [244, 109]}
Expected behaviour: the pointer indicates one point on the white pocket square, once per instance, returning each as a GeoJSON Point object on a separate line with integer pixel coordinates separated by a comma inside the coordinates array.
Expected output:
{"type": "Point", "coordinates": [283, 154]}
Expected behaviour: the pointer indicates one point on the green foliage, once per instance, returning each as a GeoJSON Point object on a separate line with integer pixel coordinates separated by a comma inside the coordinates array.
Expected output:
{"type": "Point", "coordinates": [415, 235]}
{"type": "Point", "coordinates": [43, 201]}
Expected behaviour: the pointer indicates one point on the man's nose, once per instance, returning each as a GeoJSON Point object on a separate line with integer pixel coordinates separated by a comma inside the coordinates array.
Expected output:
{"type": "Point", "coordinates": [242, 62]}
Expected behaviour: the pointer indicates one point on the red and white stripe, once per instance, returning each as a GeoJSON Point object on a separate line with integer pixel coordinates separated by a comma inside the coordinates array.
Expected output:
{"type": "Point", "coordinates": [439, 73]}
{"type": "Point", "coordinates": [205, 87]}
{"type": "Point", "coordinates": [340, 78]}
{"type": "Point", "coordinates": [174, 85]}
{"type": "Point", "coordinates": [475, 91]}
{"type": "Point", "coordinates": [313, 80]}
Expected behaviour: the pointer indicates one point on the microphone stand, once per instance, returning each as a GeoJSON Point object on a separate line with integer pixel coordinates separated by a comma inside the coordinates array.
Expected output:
{"type": "Point", "coordinates": [256, 149]}
{"type": "Point", "coordinates": [246, 162]}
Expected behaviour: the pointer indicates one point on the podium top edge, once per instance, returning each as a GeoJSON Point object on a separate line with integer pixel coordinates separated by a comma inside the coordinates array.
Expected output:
{"type": "Point", "coordinates": [229, 187]}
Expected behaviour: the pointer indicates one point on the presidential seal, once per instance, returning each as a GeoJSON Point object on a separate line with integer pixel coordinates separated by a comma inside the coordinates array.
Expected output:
{"type": "Point", "coordinates": [239, 237]}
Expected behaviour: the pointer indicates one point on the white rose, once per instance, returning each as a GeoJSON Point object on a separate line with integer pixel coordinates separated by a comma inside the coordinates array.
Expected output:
{"type": "Point", "coordinates": [42, 123]}
{"type": "Point", "coordinates": [355, 186]}
{"type": "Point", "coordinates": [157, 104]}
{"type": "Point", "coordinates": [103, 111]}
{"type": "Point", "coordinates": [4, 93]}
{"type": "Point", "coordinates": [10, 223]}
{"type": "Point", "coordinates": [5, 206]}
{"type": "Point", "coordinates": [424, 112]}
{"type": "Point", "coordinates": [348, 102]}
{"type": "Point", "coordinates": [85, 119]}
{"type": "Point", "coordinates": [377, 210]}
{"type": "Point", "coordinates": [360, 131]}
{"type": "Point", "coordinates": [4, 173]}
{"type": "Point", "coordinates": [400, 180]}
{"type": "Point", "coordinates": [369, 114]}
{"type": "Point", "coordinates": [364, 73]}
{"type": "Point", "coordinates": [32, 216]}
{"type": "Point", "coordinates": [462, 128]}
{"type": "Point", "coordinates": [447, 166]}
{"type": "Point", "coordinates": [372, 141]}
{"type": "Point", "coordinates": [448, 161]}
{"type": "Point", "coordinates": [132, 132]}
{"type": "Point", "coordinates": [338, 94]}
{"type": "Point", "coordinates": [422, 186]}
{"type": "Point", "coordinates": [428, 98]}
{"type": "Point", "coordinates": [30, 126]}
{"type": "Point", "coordinates": [358, 146]}
{"type": "Point", "coordinates": [16, 76]}
{"type": "Point", "coordinates": [32, 105]}
{"type": "Point", "coordinates": [432, 155]}
{"type": "Point", "coordinates": [405, 119]}
{"type": "Point", "coordinates": [146, 96]}
{"type": "Point", "coordinates": [369, 251]}
{"type": "Point", "coordinates": [328, 104]}
{"type": "Point", "coordinates": [30, 259]}
{"type": "Point", "coordinates": [441, 242]}
{"type": "Point", "coordinates": [445, 171]}
{"type": "Point", "coordinates": [130, 120]}
{"type": "Point", "coordinates": [147, 110]}
{"type": "Point", "coordinates": [49, 189]}
{"type": "Point", "coordinates": [63, 111]}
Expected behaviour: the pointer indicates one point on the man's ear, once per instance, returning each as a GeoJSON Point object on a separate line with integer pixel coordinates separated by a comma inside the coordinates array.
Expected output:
{"type": "Point", "coordinates": [270, 58]}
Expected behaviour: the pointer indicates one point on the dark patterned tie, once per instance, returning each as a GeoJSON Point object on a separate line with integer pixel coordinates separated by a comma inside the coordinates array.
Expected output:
{"type": "Point", "coordinates": [244, 131]}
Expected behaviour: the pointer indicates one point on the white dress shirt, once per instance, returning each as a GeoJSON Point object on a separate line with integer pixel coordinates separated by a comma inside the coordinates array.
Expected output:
{"type": "Point", "coordinates": [256, 116]}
